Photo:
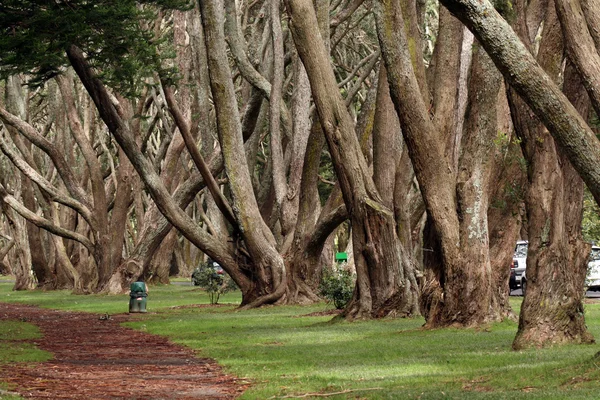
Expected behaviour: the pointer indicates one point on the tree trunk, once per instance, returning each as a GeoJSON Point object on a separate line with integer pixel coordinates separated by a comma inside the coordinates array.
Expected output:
{"type": "Point", "coordinates": [39, 263]}
{"type": "Point", "coordinates": [504, 221]}
{"type": "Point", "coordinates": [468, 287]}
{"type": "Point", "coordinates": [552, 311]}
{"type": "Point", "coordinates": [309, 247]}
{"type": "Point", "coordinates": [4, 267]}
{"type": "Point", "coordinates": [99, 223]}
{"type": "Point", "coordinates": [158, 269]}
{"type": "Point", "coordinates": [387, 144]}
{"type": "Point", "coordinates": [24, 279]}
{"type": "Point", "coordinates": [267, 263]}
{"type": "Point", "coordinates": [520, 69]}
{"type": "Point", "coordinates": [16, 104]}
{"type": "Point", "coordinates": [303, 257]}
{"type": "Point", "coordinates": [376, 245]}
{"type": "Point", "coordinates": [458, 286]}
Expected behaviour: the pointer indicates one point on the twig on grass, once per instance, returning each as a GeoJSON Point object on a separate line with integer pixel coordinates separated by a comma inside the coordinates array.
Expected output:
{"type": "Point", "coordinates": [324, 394]}
{"type": "Point", "coordinates": [6, 392]}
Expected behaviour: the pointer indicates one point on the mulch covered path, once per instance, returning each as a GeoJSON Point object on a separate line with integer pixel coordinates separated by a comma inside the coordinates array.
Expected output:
{"type": "Point", "coordinates": [96, 358]}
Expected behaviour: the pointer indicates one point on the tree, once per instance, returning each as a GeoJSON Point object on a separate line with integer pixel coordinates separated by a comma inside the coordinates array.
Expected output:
{"type": "Point", "coordinates": [579, 145]}
{"type": "Point", "coordinates": [461, 287]}
{"type": "Point", "coordinates": [247, 191]}
{"type": "Point", "coordinates": [557, 259]}
{"type": "Point", "coordinates": [256, 271]}
{"type": "Point", "coordinates": [377, 248]}
{"type": "Point", "coordinates": [529, 80]}
{"type": "Point", "coordinates": [107, 232]}
{"type": "Point", "coordinates": [382, 250]}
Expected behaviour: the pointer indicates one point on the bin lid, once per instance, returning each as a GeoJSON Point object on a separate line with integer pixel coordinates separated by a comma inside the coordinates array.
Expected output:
{"type": "Point", "coordinates": [342, 256]}
{"type": "Point", "coordinates": [138, 287]}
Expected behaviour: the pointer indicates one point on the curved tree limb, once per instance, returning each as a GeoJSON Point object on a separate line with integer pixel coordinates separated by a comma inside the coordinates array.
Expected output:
{"type": "Point", "coordinates": [43, 222]}
{"type": "Point", "coordinates": [346, 13]}
{"type": "Point", "coordinates": [237, 46]}
{"type": "Point", "coordinates": [536, 88]}
{"type": "Point", "coordinates": [373, 59]}
{"type": "Point", "coordinates": [53, 152]}
{"type": "Point", "coordinates": [214, 247]}
{"type": "Point", "coordinates": [46, 186]}
{"type": "Point", "coordinates": [211, 183]}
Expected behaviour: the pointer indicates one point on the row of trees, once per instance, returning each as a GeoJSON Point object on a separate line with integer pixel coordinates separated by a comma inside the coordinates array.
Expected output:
{"type": "Point", "coordinates": [141, 135]}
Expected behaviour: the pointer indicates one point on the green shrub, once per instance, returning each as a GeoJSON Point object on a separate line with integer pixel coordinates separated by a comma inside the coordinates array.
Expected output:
{"type": "Point", "coordinates": [337, 286]}
{"type": "Point", "coordinates": [213, 279]}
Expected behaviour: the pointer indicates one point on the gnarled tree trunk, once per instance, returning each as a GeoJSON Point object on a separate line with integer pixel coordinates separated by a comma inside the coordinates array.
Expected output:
{"type": "Point", "coordinates": [377, 248]}
{"type": "Point", "coordinates": [552, 311]}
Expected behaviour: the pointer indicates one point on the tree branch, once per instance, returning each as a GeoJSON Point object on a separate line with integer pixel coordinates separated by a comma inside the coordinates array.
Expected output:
{"type": "Point", "coordinates": [53, 152]}
{"type": "Point", "coordinates": [46, 186]}
{"type": "Point", "coordinates": [535, 87]}
{"type": "Point", "coordinates": [42, 222]}
{"type": "Point", "coordinates": [345, 13]}
{"type": "Point", "coordinates": [209, 179]}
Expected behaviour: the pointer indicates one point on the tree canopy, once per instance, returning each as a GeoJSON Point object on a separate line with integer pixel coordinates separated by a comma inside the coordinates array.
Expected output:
{"type": "Point", "coordinates": [116, 36]}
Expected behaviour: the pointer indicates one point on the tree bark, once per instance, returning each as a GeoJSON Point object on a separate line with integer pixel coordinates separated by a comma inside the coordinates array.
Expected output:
{"type": "Point", "coordinates": [257, 237]}
{"type": "Point", "coordinates": [536, 88]}
{"type": "Point", "coordinates": [376, 245]}
{"type": "Point", "coordinates": [470, 285]}
{"type": "Point", "coordinates": [459, 291]}
{"type": "Point", "coordinates": [504, 220]}
{"type": "Point", "coordinates": [387, 144]}
{"type": "Point", "coordinates": [552, 311]}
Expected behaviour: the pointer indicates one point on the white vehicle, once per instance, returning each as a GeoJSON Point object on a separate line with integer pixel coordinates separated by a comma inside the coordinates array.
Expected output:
{"type": "Point", "coordinates": [592, 281]}
{"type": "Point", "coordinates": [518, 265]}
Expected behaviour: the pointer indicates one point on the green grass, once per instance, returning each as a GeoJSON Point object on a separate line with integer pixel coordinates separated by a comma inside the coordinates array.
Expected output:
{"type": "Point", "coordinates": [15, 345]}
{"type": "Point", "coordinates": [285, 351]}
{"type": "Point", "coordinates": [159, 297]}
{"type": "Point", "coordinates": [16, 348]}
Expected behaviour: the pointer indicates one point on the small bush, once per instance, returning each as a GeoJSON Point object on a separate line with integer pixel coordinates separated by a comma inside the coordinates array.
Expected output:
{"type": "Point", "coordinates": [337, 286]}
{"type": "Point", "coordinates": [213, 279]}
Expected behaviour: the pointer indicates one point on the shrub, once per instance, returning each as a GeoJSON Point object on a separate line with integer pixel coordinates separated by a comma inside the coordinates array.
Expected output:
{"type": "Point", "coordinates": [213, 279]}
{"type": "Point", "coordinates": [337, 286]}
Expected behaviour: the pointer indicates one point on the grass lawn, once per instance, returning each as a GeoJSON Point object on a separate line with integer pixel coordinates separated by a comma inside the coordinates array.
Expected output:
{"type": "Point", "coordinates": [289, 351]}
{"type": "Point", "coordinates": [15, 348]}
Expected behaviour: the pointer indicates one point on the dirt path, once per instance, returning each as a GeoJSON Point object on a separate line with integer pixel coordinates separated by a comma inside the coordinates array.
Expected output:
{"type": "Point", "coordinates": [96, 358]}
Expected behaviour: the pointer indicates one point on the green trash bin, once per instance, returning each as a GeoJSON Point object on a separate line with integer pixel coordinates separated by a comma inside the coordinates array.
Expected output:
{"type": "Point", "coordinates": [137, 297]}
{"type": "Point", "coordinates": [341, 257]}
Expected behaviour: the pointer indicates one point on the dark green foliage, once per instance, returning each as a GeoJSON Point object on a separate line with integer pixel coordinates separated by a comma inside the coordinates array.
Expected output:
{"type": "Point", "coordinates": [213, 279]}
{"type": "Point", "coordinates": [337, 286]}
{"type": "Point", "coordinates": [506, 9]}
{"type": "Point", "coordinates": [327, 175]}
{"type": "Point", "coordinates": [34, 35]}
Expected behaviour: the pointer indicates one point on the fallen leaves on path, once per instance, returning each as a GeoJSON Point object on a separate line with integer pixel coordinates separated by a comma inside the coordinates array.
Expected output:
{"type": "Point", "coordinates": [96, 358]}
